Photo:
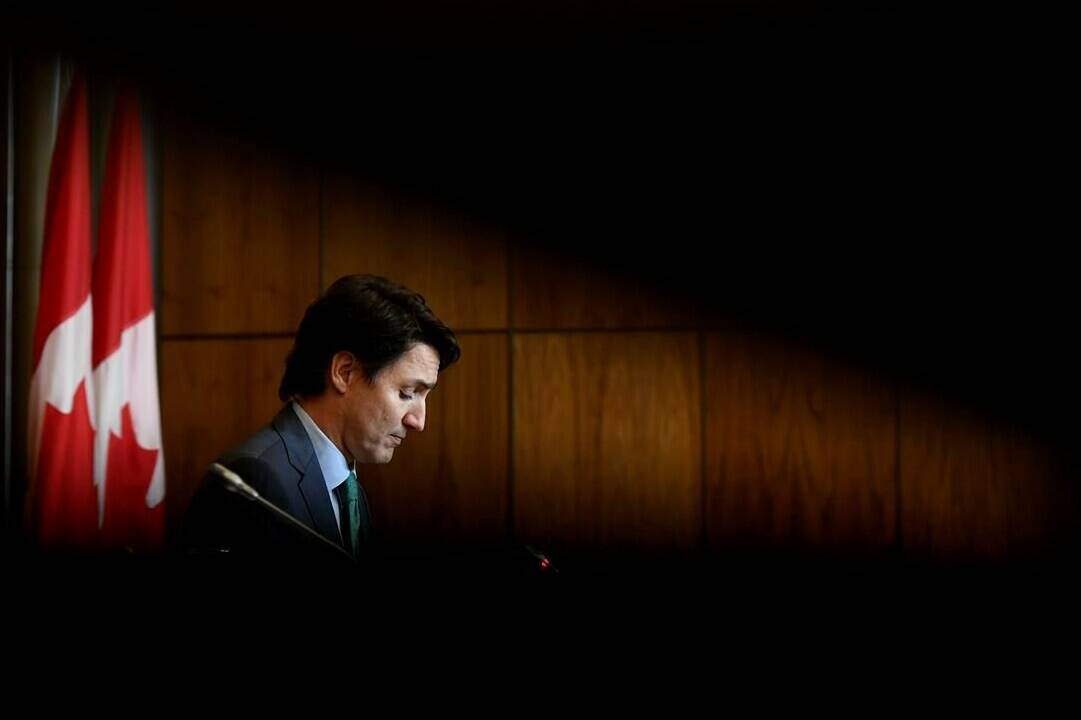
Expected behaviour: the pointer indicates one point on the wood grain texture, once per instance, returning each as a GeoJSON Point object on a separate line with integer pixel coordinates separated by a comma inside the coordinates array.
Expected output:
{"type": "Point", "coordinates": [457, 263]}
{"type": "Point", "coordinates": [976, 488]}
{"type": "Point", "coordinates": [555, 290]}
{"type": "Point", "coordinates": [240, 236]}
{"type": "Point", "coordinates": [607, 441]}
{"type": "Point", "coordinates": [801, 450]}
{"type": "Point", "coordinates": [214, 394]}
{"type": "Point", "coordinates": [449, 483]}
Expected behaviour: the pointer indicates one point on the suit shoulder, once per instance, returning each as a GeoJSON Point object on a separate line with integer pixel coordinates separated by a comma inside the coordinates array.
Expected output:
{"type": "Point", "coordinates": [262, 461]}
{"type": "Point", "coordinates": [265, 442]}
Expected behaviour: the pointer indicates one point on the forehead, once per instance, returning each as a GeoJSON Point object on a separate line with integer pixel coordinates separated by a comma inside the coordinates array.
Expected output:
{"type": "Point", "coordinates": [419, 362]}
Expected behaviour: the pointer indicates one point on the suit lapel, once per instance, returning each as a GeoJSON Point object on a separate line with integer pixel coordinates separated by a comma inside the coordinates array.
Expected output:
{"type": "Point", "coordinates": [314, 490]}
{"type": "Point", "coordinates": [312, 486]}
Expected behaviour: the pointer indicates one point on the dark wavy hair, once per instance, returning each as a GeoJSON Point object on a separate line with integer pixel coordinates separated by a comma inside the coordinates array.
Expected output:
{"type": "Point", "coordinates": [375, 319]}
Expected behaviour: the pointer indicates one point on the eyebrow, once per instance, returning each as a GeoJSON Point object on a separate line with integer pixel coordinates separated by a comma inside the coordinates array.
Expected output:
{"type": "Point", "coordinates": [421, 383]}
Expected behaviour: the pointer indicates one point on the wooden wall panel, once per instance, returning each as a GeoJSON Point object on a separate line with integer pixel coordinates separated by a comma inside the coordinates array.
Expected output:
{"type": "Point", "coordinates": [976, 488]}
{"type": "Point", "coordinates": [801, 450]}
{"type": "Point", "coordinates": [554, 290]}
{"type": "Point", "coordinates": [449, 482]}
{"type": "Point", "coordinates": [458, 264]}
{"type": "Point", "coordinates": [240, 248]}
{"type": "Point", "coordinates": [214, 394]}
{"type": "Point", "coordinates": [607, 440]}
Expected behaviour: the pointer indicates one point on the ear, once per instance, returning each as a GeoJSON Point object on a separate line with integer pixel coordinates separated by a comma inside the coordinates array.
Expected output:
{"type": "Point", "coordinates": [344, 371]}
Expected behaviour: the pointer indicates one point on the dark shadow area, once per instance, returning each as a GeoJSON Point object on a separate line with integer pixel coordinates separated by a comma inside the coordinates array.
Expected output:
{"type": "Point", "coordinates": [877, 181]}
{"type": "Point", "coordinates": [615, 608]}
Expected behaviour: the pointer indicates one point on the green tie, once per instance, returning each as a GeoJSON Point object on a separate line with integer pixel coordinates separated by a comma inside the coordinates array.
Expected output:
{"type": "Point", "coordinates": [350, 511]}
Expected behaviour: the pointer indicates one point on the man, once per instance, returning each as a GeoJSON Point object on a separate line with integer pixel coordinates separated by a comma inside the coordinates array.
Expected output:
{"type": "Point", "coordinates": [366, 355]}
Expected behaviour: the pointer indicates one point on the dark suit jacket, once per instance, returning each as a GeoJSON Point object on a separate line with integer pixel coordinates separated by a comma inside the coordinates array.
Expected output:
{"type": "Point", "coordinates": [280, 463]}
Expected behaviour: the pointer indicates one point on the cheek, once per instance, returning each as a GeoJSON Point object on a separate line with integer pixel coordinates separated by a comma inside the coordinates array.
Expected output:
{"type": "Point", "coordinates": [382, 420]}
{"type": "Point", "coordinates": [366, 421]}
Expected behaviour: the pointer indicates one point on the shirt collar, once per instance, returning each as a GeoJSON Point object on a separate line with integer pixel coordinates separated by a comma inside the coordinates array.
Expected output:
{"type": "Point", "coordinates": [331, 460]}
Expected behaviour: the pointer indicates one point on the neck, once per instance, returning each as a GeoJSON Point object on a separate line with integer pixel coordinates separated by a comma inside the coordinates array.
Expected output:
{"type": "Point", "coordinates": [328, 416]}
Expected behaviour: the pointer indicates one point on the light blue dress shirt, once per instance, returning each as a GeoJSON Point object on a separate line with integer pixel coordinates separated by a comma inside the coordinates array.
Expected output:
{"type": "Point", "coordinates": [331, 461]}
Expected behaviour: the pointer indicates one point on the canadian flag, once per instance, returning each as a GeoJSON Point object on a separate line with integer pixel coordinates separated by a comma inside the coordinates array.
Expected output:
{"type": "Point", "coordinates": [97, 470]}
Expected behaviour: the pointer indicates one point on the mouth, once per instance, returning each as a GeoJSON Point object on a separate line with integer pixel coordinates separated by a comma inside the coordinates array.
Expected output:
{"type": "Point", "coordinates": [397, 439]}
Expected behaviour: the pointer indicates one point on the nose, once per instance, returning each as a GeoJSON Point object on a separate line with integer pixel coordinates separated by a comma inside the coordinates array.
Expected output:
{"type": "Point", "coordinates": [414, 419]}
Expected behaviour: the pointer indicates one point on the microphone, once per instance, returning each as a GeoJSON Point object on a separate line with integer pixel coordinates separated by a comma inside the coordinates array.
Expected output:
{"type": "Point", "coordinates": [543, 563]}
{"type": "Point", "coordinates": [235, 484]}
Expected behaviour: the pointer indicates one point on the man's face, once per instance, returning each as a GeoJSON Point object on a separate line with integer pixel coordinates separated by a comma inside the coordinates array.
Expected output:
{"type": "Point", "coordinates": [379, 415]}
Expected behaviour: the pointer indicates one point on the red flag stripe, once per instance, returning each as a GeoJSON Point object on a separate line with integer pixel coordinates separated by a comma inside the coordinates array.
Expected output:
{"type": "Point", "coordinates": [123, 292]}
{"type": "Point", "coordinates": [65, 261]}
{"type": "Point", "coordinates": [128, 467]}
{"type": "Point", "coordinates": [61, 398]}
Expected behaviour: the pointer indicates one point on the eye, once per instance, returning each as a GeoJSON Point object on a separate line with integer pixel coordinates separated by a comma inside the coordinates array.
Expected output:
{"type": "Point", "coordinates": [404, 396]}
